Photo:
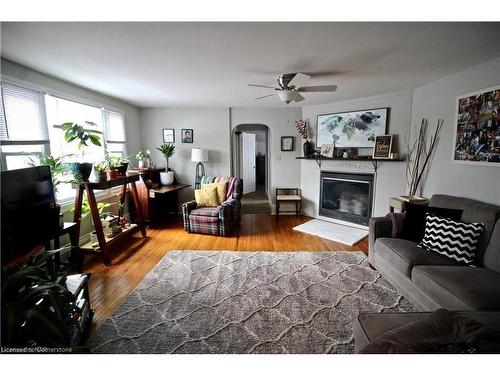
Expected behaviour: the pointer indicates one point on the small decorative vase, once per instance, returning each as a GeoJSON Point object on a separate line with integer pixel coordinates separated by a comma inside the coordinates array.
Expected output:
{"type": "Point", "coordinates": [100, 176]}
{"type": "Point", "coordinates": [308, 148]}
{"type": "Point", "coordinates": [81, 171]}
{"type": "Point", "coordinates": [141, 163]}
{"type": "Point", "coordinates": [167, 178]}
{"type": "Point", "coordinates": [113, 173]}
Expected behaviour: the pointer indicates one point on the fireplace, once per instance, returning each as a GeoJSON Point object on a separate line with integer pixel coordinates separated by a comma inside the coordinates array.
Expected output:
{"type": "Point", "coordinates": [346, 196]}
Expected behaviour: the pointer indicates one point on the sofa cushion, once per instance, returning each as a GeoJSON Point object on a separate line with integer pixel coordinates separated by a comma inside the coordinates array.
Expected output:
{"type": "Point", "coordinates": [473, 212]}
{"type": "Point", "coordinates": [205, 211]}
{"type": "Point", "coordinates": [404, 254]}
{"type": "Point", "coordinates": [459, 288]}
{"type": "Point", "coordinates": [453, 239]}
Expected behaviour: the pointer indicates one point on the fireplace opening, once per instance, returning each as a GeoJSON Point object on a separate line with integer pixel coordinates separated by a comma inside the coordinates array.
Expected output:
{"type": "Point", "coordinates": [346, 196]}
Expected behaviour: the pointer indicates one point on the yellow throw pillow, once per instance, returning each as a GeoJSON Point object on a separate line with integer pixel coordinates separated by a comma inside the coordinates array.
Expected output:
{"type": "Point", "coordinates": [207, 197]}
{"type": "Point", "coordinates": [221, 190]}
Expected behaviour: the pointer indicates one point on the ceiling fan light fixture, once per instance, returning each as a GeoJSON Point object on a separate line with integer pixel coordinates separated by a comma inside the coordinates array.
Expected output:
{"type": "Point", "coordinates": [286, 96]}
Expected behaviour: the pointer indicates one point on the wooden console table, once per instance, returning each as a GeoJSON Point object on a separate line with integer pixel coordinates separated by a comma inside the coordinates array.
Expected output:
{"type": "Point", "coordinates": [155, 198]}
{"type": "Point", "coordinates": [105, 244]}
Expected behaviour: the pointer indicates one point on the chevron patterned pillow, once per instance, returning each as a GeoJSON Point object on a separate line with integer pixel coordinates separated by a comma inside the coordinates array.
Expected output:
{"type": "Point", "coordinates": [454, 239]}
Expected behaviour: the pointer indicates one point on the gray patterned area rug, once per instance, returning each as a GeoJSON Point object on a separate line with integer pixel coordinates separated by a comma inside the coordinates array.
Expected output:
{"type": "Point", "coordinates": [248, 302]}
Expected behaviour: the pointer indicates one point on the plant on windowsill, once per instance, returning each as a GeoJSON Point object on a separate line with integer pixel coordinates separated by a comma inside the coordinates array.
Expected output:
{"type": "Point", "coordinates": [74, 132]}
{"type": "Point", "coordinates": [167, 150]}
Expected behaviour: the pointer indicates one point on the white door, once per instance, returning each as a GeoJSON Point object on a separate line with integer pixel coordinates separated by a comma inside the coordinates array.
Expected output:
{"type": "Point", "coordinates": [248, 161]}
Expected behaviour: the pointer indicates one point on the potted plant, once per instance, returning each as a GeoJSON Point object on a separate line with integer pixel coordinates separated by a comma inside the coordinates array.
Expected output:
{"type": "Point", "coordinates": [143, 158]}
{"type": "Point", "coordinates": [57, 171]}
{"type": "Point", "coordinates": [117, 165]}
{"type": "Point", "coordinates": [419, 157]}
{"type": "Point", "coordinates": [37, 308]}
{"type": "Point", "coordinates": [100, 171]}
{"type": "Point", "coordinates": [75, 132]}
{"type": "Point", "coordinates": [167, 150]}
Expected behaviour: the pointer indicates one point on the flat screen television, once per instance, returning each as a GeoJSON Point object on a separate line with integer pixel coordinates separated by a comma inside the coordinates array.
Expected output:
{"type": "Point", "coordinates": [30, 216]}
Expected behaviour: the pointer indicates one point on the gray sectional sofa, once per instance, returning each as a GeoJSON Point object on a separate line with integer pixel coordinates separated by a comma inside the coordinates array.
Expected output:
{"type": "Point", "coordinates": [431, 281]}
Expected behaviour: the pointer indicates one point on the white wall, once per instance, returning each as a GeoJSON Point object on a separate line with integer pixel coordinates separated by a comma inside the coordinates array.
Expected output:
{"type": "Point", "coordinates": [438, 100]}
{"type": "Point", "coordinates": [23, 74]}
{"type": "Point", "coordinates": [284, 168]}
{"type": "Point", "coordinates": [390, 176]}
{"type": "Point", "coordinates": [210, 131]}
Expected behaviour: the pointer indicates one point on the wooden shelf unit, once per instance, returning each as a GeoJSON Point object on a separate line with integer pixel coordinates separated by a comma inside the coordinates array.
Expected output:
{"type": "Point", "coordinates": [89, 187]}
{"type": "Point", "coordinates": [319, 160]}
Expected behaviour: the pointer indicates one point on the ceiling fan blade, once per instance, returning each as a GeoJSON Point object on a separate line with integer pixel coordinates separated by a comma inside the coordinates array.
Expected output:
{"type": "Point", "coordinates": [329, 88]}
{"type": "Point", "coordinates": [297, 97]}
{"type": "Point", "coordinates": [264, 96]}
{"type": "Point", "coordinates": [299, 80]}
{"type": "Point", "coordinates": [266, 86]}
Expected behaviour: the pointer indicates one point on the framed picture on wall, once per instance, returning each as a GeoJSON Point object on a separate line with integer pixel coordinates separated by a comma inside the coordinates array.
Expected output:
{"type": "Point", "coordinates": [383, 147]}
{"type": "Point", "coordinates": [477, 128]}
{"type": "Point", "coordinates": [356, 129]}
{"type": "Point", "coordinates": [168, 136]}
{"type": "Point", "coordinates": [187, 135]}
{"type": "Point", "coordinates": [287, 143]}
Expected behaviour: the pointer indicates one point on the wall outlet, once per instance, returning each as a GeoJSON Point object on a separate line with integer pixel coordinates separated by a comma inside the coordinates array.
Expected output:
{"type": "Point", "coordinates": [278, 157]}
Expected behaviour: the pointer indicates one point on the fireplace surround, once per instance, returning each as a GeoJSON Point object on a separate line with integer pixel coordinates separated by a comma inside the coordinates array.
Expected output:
{"type": "Point", "coordinates": [346, 196]}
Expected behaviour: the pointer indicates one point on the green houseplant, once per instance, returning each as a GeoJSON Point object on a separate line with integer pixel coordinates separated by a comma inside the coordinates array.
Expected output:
{"type": "Point", "coordinates": [56, 165]}
{"type": "Point", "coordinates": [117, 165]}
{"type": "Point", "coordinates": [37, 308]}
{"type": "Point", "coordinates": [100, 170]}
{"type": "Point", "coordinates": [74, 132]}
{"type": "Point", "coordinates": [167, 150]}
{"type": "Point", "coordinates": [143, 158]}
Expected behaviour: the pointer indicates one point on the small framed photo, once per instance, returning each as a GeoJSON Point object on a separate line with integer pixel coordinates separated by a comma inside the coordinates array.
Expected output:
{"type": "Point", "coordinates": [327, 151]}
{"type": "Point", "coordinates": [383, 147]}
{"type": "Point", "coordinates": [287, 143]}
{"type": "Point", "coordinates": [187, 135]}
{"type": "Point", "coordinates": [168, 136]}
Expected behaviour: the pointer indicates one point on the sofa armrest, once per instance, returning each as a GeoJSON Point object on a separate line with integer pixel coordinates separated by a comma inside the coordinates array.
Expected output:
{"type": "Point", "coordinates": [187, 207]}
{"type": "Point", "coordinates": [378, 227]}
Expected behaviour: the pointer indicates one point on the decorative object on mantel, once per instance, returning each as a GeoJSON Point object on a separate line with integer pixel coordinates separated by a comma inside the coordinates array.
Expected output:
{"type": "Point", "coordinates": [383, 147]}
{"type": "Point", "coordinates": [305, 132]}
{"type": "Point", "coordinates": [419, 156]}
{"type": "Point", "coordinates": [477, 128]}
{"type": "Point", "coordinates": [287, 143]}
{"type": "Point", "coordinates": [327, 151]}
{"type": "Point", "coordinates": [351, 129]}
{"type": "Point", "coordinates": [168, 150]}
{"type": "Point", "coordinates": [200, 156]}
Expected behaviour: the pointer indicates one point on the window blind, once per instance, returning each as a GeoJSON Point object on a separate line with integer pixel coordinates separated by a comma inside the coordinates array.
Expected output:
{"type": "Point", "coordinates": [23, 119]}
{"type": "Point", "coordinates": [115, 127]}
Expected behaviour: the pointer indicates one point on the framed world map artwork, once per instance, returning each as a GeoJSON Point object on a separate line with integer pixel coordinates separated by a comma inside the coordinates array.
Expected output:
{"type": "Point", "coordinates": [355, 129]}
{"type": "Point", "coordinates": [477, 128]}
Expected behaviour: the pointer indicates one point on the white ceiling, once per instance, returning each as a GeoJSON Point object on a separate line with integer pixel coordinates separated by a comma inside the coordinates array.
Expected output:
{"type": "Point", "coordinates": [209, 64]}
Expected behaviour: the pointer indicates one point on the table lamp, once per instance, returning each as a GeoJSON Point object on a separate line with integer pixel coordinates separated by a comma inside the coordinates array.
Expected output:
{"type": "Point", "coordinates": [199, 155]}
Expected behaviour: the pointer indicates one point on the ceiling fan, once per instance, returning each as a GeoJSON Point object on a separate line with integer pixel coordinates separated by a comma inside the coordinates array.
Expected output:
{"type": "Point", "coordinates": [291, 85]}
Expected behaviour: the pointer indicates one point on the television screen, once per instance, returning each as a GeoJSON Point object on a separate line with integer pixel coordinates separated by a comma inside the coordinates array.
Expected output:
{"type": "Point", "coordinates": [29, 212]}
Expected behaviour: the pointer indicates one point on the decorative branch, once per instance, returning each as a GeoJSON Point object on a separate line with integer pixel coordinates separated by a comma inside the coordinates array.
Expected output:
{"type": "Point", "coordinates": [419, 155]}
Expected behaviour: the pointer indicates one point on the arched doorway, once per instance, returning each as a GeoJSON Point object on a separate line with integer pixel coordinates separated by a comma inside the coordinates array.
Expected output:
{"type": "Point", "coordinates": [251, 162]}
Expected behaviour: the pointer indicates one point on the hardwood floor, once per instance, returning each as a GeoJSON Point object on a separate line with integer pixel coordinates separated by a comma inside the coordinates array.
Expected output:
{"type": "Point", "coordinates": [110, 285]}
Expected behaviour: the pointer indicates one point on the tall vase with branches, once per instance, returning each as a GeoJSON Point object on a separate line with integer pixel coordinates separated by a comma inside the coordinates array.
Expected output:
{"type": "Point", "coordinates": [419, 156]}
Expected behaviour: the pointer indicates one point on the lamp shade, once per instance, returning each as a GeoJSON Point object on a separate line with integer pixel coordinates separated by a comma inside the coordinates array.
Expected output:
{"type": "Point", "coordinates": [199, 155]}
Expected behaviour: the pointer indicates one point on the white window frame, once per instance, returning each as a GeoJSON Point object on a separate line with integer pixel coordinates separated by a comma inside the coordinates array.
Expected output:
{"type": "Point", "coordinates": [67, 202]}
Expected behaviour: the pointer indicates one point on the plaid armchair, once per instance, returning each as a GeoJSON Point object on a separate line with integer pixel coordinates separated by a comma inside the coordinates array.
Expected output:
{"type": "Point", "coordinates": [218, 221]}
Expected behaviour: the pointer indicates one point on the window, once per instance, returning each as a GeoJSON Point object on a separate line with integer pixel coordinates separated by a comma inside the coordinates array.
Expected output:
{"type": "Point", "coordinates": [29, 128]}
{"type": "Point", "coordinates": [23, 126]}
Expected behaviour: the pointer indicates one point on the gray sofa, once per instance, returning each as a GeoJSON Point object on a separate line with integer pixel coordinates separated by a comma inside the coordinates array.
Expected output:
{"type": "Point", "coordinates": [431, 281]}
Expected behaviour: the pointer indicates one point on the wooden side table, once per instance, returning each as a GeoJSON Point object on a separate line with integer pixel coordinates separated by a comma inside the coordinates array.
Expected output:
{"type": "Point", "coordinates": [399, 202]}
{"type": "Point", "coordinates": [289, 195]}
